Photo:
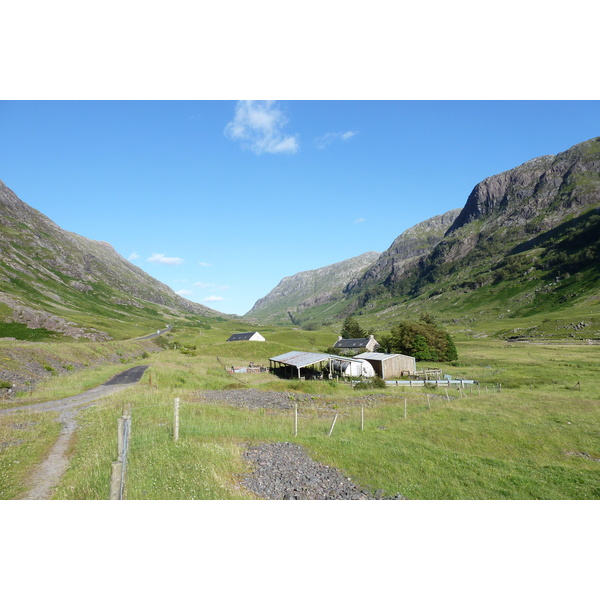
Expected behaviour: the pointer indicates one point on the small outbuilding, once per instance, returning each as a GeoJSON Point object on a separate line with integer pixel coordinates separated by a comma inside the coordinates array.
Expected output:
{"type": "Point", "coordinates": [250, 336]}
{"type": "Point", "coordinates": [390, 366]}
{"type": "Point", "coordinates": [354, 345]}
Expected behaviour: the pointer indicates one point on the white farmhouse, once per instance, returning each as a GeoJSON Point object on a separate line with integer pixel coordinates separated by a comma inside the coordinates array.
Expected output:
{"type": "Point", "coordinates": [250, 336]}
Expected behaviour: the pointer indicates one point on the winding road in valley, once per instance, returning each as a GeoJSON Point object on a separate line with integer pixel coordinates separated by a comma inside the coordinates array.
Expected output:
{"type": "Point", "coordinates": [47, 474]}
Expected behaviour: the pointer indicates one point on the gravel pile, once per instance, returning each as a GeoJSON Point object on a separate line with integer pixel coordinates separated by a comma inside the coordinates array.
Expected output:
{"type": "Point", "coordinates": [283, 471]}
{"type": "Point", "coordinates": [252, 398]}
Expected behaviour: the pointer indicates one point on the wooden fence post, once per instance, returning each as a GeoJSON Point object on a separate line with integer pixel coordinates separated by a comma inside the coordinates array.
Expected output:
{"type": "Point", "coordinates": [447, 395]}
{"type": "Point", "coordinates": [115, 480]}
{"type": "Point", "coordinates": [295, 419]}
{"type": "Point", "coordinates": [362, 417]}
{"type": "Point", "coordinates": [428, 402]}
{"type": "Point", "coordinates": [333, 424]}
{"type": "Point", "coordinates": [120, 436]}
{"type": "Point", "coordinates": [176, 427]}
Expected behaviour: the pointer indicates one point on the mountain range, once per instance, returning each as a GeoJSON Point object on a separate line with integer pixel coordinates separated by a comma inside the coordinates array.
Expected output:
{"type": "Point", "coordinates": [527, 240]}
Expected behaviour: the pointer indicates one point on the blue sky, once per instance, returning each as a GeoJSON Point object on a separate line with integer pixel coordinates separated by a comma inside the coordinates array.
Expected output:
{"type": "Point", "coordinates": [222, 199]}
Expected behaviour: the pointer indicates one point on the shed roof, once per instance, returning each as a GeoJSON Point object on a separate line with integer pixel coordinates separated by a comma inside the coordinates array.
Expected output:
{"type": "Point", "coordinates": [377, 355]}
{"type": "Point", "coordinates": [301, 359]}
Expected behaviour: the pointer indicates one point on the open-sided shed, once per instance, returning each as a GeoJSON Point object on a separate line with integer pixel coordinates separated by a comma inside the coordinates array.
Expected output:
{"type": "Point", "coordinates": [390, 366]}
{"type": "Point", "coordinates": [292, 363]}
{"type": "Point", "coordinates": [314, 364]}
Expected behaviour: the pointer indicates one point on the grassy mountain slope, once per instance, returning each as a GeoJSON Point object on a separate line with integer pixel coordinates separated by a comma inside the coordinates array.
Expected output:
{"type": "Point", "coordinates": [52, 280]}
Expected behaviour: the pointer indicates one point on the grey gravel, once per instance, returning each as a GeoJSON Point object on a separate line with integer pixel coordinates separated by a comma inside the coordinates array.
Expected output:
{"type": "Point", "coordinates": [284, 471]}
{"type": "Point", "coordinates": [252, 398]}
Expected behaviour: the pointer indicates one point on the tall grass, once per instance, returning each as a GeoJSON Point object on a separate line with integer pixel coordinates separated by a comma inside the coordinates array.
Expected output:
{"type": "Point", "coordinates": [490, 446]}
{"type": "Point", "coordinates": [25, 439]}
{"type": "Point", "coordinates": [537, 439]}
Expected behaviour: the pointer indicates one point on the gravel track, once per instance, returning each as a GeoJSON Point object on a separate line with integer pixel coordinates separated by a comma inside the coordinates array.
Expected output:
{"type": "Point", "coordinates": [47, 474]}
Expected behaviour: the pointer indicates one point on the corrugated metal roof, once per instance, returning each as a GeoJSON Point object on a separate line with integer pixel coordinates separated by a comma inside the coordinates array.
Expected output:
{"type": "Point", "coordinates": [377, 355]}
{"type": "Point", "coordinates": [300, 359]}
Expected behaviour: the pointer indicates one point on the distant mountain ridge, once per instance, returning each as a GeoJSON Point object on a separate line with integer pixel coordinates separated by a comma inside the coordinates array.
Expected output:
{"type": "Point", "coordinates": [54, 279]}
{"type": "Point", "coordinates": [309, 288]}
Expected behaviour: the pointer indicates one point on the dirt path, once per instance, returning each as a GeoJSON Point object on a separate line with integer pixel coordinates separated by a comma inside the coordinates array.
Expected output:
{"type": "Point", "coordinates": [46, 476]}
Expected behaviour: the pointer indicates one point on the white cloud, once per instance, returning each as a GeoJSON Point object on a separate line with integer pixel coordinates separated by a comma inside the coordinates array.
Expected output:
{"type": "Point", "coordinates": [133, 256]}
{"type": "Point", "coordinates": [326, 140]}
{"type": "Point", "coordinates": [213, 299]}
{"type": "Point", "coordinates": [258, 125]}
{"type": "Point", "coordinates": [161, 259]}
{"type": "Point", "coordinates": [185, 292]}
{"type": "Point", "coordinates": [204, 264]}
{"type": "Point", "coordinates": [348, 135]}
{"type": "Point", "coordinates": [360, 220]}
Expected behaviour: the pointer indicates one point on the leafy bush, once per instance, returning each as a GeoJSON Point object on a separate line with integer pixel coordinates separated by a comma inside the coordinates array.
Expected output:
{"type": "Point", "coordinates": [423, 339]}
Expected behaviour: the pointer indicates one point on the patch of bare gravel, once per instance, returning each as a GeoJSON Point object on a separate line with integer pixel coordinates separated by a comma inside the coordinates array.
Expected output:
{"type": "Point", "coordinates": [284, 471]}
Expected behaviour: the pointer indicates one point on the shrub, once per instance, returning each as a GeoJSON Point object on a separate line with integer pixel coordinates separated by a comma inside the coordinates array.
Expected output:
{"type": "Point", "coordinates": [424, 340]}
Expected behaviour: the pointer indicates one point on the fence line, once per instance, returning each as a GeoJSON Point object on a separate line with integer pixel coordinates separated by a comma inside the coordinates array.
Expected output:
{"type": "Point", "coordinates": [430, 382]}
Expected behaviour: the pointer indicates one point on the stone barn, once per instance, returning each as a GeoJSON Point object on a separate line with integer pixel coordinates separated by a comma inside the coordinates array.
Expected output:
{"type": "Point", "coordinates": [355, 345]}
{"type": "Point", "coordinates": [390, 366]}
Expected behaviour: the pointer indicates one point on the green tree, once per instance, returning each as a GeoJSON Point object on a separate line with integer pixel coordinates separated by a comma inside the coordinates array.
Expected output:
{"type": "Point", "coordinates": [425, 341]}
{"type": "Point", "coordinates": [351, 329]}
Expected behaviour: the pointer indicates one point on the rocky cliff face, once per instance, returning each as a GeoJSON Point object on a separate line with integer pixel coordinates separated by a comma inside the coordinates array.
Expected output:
{"type": "Point", "coordinates": [545, 189]}
{"type": "Point", "coordinates": [46, 271]}
{"type": "Point", "coordinates": [520, 229]}
{"type": "Point", "coordinates": [527, 201]}
{"type": "Point", "coordinates": [310, 288]}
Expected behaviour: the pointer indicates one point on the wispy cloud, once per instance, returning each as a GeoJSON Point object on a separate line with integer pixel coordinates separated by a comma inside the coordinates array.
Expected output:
{"type": "Point", "coordinates": [326, 140]}
{"type": "Point", "coordinates": [161, 259]}
{"type": "Point", "coordinates": [185, 292]}
{"type": "Point", "coordinates": [213, 299]}
{"type": "Point", "coordinates": [359, 220]}
{"type": "Point", "coordinates": [203, 264]}
{"type": "Point", "coordinates": [259, 126]}
{"type": "Point", "coordinates": [133, 256]}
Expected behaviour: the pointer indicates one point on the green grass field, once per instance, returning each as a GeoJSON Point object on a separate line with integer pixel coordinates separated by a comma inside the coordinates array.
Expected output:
{"type": "Point", "coordinates": [538, 438]}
